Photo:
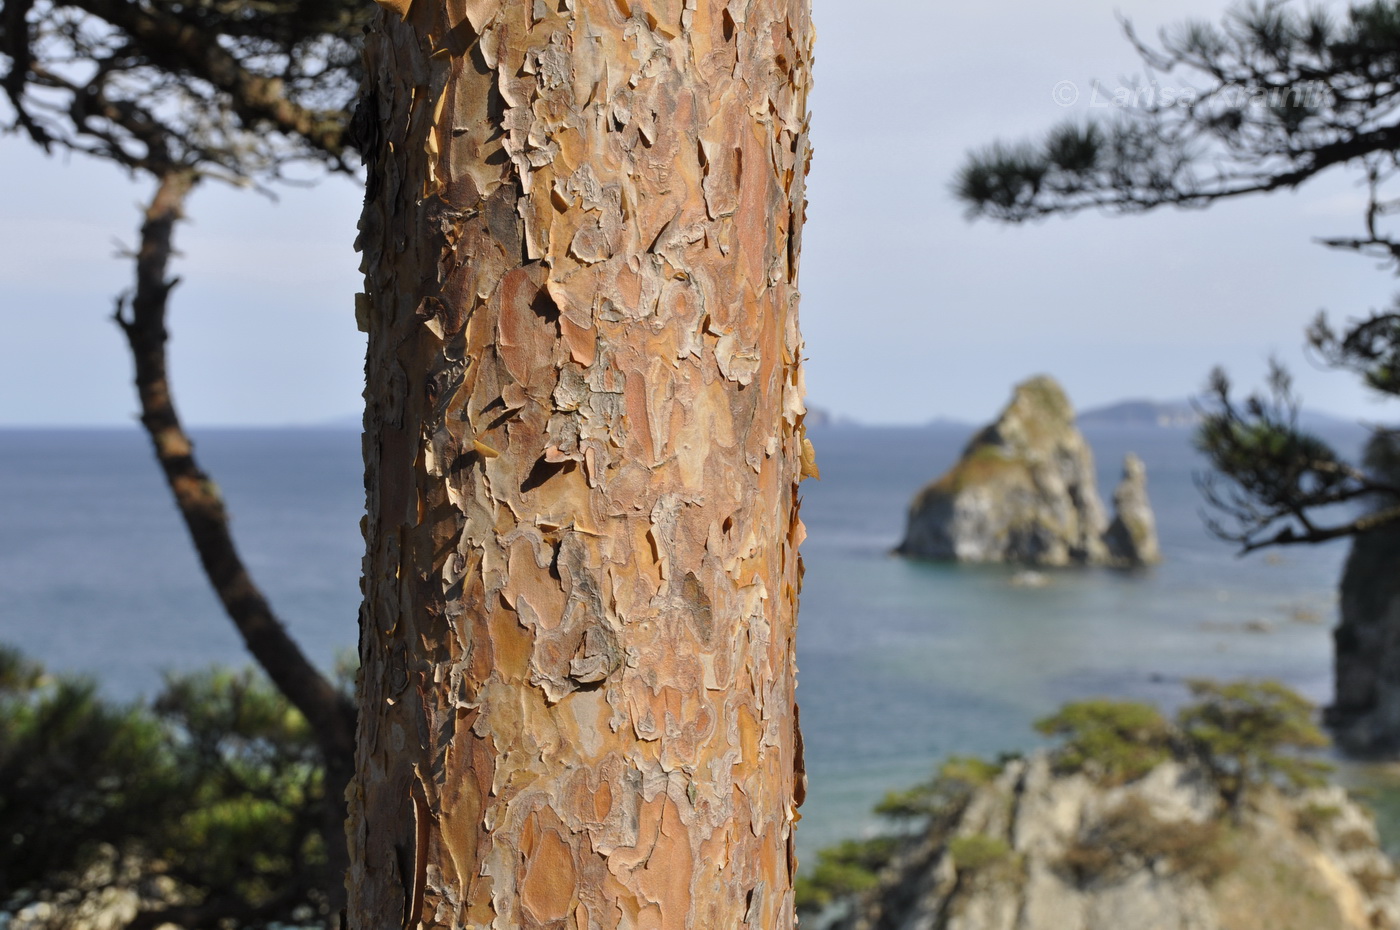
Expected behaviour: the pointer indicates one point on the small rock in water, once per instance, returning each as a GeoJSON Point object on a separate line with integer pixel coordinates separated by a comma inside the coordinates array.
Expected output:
{"type": "Point", "coordinates": [1226, 626]}
{"type": "Point", "coordinates": [1029, 579]}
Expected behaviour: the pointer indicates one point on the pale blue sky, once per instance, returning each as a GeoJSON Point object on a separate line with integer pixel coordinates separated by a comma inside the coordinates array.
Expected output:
{"type": "Point", "coordinates": [909, 312]}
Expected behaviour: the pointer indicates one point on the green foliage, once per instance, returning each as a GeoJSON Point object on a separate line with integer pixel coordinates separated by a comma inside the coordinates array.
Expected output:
{"type": "Point", "coordinates": [1263, 451]}
{"type": "Point", "coordinates": [1246, 735]}
{"type": "Point", "coordinates": [1261, 447]}
{"type": "Point", "coordinates": [1074, 148]}
{"type": "Point", "coordinates": [853, 866]}
{"type": "Point", "coordinates": [1274, 94]}
{"type": "Point", "coordinates": [75, 773]}
{"type": "Point", "coordinates": [850, 867]}
{"type": "Point", "coordinates": [1269, 473]}
{"type": "Point", "coordinates": [1119, 741]}
{"type": "Point", "coordinates": [17, 674]}
{"type": "Point", "coordinates": [947, 790]}
{"type": "Point", "coordinates": [254, 782]}
{"type": "Point", "coordinates": [215, 787]}
{"type": "Point", "coordinates": [1369, 349]}
{"type": "Point", "coordinates": [1003, 178]}
{"type": "Point", "coordinates": [977, 852]}
{"type": "Point", "coordinates": [1249, 734]}
{"type": "Point", "coordinates": [981, 464]}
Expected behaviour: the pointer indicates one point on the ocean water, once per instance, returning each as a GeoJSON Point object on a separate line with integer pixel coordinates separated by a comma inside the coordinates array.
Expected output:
{"type": "Point", "coordinates": [901, 663]}
{"type": "Point", "coordinates": [905, 663]}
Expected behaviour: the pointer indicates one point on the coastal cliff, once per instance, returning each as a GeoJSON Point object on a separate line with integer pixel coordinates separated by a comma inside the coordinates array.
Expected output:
{"type": "Point", "coordinates": [1365, 716]}
{"type": "Point", "coordinates": [1213, 822]}
{"type": "Point", "coordinates": [1024, 492]}
{"type": "Point", "coordinates": [1037, 850]}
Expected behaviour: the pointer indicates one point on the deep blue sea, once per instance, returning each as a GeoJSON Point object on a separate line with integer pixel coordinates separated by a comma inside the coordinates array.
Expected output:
{"type": "Point", "coordinates": [901, 664]}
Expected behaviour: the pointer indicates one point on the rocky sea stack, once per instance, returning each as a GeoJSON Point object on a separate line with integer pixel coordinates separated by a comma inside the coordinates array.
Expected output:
{"type": "Point", "coordinates": [1024, 492]}
{"type": "Point", "coordinates": [1365, 718]}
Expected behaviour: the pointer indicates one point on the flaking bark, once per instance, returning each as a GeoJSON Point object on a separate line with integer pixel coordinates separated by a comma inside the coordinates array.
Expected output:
{"type": "Point", "coordinates": [583, 444]}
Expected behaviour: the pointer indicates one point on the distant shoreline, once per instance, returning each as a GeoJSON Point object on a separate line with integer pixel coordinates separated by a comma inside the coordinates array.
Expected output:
{"type": "Point", "coordinates": [1137, 414]}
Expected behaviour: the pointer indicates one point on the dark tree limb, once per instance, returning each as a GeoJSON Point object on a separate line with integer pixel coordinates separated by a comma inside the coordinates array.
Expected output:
{"type": "Point", "coordinates": [247, 88]}
{"type": "Point", "coordinates": [1311, 535]}
{"type": "Point", "coordinates": [141, 317]}
{"type": "Point", "coordinates": [1275, 484]}
{"type": "Point", "coordinates": [1286, 94]}
{"type": "Point", "coordinates": [185, 92]}
{"type": "Point", "coordinates": [181, 47]}
{"type": "Point", "coordinates": [14, 41]}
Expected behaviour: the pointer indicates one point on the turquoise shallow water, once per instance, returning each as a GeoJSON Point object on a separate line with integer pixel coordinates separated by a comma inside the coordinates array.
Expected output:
{"type": "Point", "coordinates": [901, 663]}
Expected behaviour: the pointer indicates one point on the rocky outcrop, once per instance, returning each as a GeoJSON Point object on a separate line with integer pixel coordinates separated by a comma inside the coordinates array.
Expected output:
{"type": "Point", "coordinates": [1132, 536]}
{"type": "Point", "coordinates": [1041, 850]}
{"type": "Point", "coordinates": [1365, 716]}
{"type": "Point", "coordinates": [1024, 492]}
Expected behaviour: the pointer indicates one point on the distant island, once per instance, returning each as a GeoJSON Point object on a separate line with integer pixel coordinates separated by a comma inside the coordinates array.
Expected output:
{"type": "Point", "coordinates": [1183, 414]}
{"type": "Point", "coordinates": [821, 418]}
{"type": "Point", "coordinates": [1173, 414]}
{"type": "Point", "coordinates": [1129, 414]}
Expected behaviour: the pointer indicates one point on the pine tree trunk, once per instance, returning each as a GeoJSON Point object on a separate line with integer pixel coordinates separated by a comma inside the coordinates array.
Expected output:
{"type": "Point", "coordinates": [583, 444]}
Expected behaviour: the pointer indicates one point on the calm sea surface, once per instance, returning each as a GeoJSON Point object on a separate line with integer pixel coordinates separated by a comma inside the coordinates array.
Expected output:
{"type": "Point", "coordinates": [901, 663]}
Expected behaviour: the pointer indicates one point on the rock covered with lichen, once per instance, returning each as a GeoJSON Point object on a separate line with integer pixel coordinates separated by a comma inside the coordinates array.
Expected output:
{"type": "Point", "coordinates": [1038, 848]}
{"type": "Point", "coordinates": [1024, 492]}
